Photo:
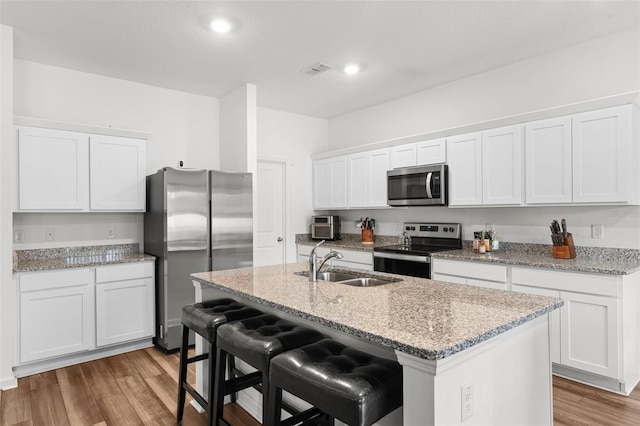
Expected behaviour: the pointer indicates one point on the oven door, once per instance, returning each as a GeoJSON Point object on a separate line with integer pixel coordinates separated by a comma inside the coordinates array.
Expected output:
{"type": "Point", "coordinates": [402, 264]}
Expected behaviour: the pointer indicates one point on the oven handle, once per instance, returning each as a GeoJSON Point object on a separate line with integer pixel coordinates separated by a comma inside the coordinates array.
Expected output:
{"type": "Point", "coordinates": [408, 257]}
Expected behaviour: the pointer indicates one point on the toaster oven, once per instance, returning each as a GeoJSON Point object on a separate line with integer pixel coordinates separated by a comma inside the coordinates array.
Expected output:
{"type": "Point", "coordinates": [325, 228]}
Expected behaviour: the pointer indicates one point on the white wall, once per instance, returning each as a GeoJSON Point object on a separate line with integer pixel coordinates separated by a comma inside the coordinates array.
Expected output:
{"type": "Point", "coordinates": [293, 138]}
{"type": "Point", "coordinates": [183, 127]}
{"type": "Point", "coordinates": [604, 67]}
{"type": "Point", "coordinates": [8, 293]}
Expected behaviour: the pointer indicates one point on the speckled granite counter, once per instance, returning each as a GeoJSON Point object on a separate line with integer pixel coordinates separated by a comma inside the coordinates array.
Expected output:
{"type": "Point", "coordinates": [428, 319]}
{"type": "Point", "coordinates": [76, 257]}
{"type": "Point", "coordinates": [348, 242]}
{"type": "Point", "coordinates": [594, 260]}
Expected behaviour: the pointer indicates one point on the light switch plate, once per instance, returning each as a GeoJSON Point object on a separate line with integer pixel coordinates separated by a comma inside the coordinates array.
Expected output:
{"type": "Point", "coordinates": [18, 237]}
{"type": "Point", "coordinates": [111, 232]}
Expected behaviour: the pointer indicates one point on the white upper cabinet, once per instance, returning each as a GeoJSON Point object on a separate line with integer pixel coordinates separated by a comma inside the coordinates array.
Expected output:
{"type": "Point", "coordinates": [71, 171]}
{"type": "Point", "coordinates": [402, 156]}
{"type": "Point", "coordinates": [367, 179]}
{"type": "Point", "coordinates": [502, 166]}
{"type": "Point", "coordinates": [548, 161]}
{"type": "Point", "coordinates": [465, 169]}
{"type": "Point", "coordinates": [330, 183]}
{"type": "Point", "coordinates": [117, 173]}
{"type": "Point", "coordinates": [418, 154]}
{"type": "Point", "coordinates": [601, 155]}
{"type": "Point", "coordinates": [431, 152]}
{"type": "Point", "coordinates": [53, 169]}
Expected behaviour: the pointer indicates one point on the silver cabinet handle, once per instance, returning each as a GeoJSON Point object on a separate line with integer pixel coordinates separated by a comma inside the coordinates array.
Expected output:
{"type": "Point", "coordinates": [428, 185]}
{"type": "Point", "coordinates": [279, 239]}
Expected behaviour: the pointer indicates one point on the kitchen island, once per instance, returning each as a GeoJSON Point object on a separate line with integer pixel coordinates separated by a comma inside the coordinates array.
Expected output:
{"type": "Point", "coordinates": [451, 339]}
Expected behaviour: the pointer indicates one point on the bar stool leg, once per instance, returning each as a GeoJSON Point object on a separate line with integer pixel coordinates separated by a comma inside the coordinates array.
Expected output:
{"type": "Point", "coordinates": [212, 381]}
{"type": "Point", "coordinates": [216, 402]}
{"type": "Point", "coordinates": [183, 372]}
{"type": "Point", "coordinates": [274, 409]}
{"type": "Point", "coordinates": [231, 373]}
{"type": "Point", "coordinates": [265, 397]}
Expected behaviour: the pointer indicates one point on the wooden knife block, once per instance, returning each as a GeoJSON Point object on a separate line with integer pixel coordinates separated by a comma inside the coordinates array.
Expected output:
{"type": "Point", "coordinates": [567, 251]}
{"type": "Point", "coordinates": [367, 236]}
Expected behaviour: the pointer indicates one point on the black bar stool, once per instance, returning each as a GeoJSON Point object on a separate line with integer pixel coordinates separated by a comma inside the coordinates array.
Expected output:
{"type": "Point", "coordinates": [255, 341]}
{"type": "Point", "coordinates": [204, 319]}
{"type": "Point", "coordinates": [344, 383]}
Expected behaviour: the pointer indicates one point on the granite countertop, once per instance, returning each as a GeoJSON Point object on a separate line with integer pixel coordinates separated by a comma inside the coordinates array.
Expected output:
{"type": "Point", "coordinates": [425, 318]}
{"type": "Point", "coordinates": [616, 262]}
{"type": "Point", "coordinates": [598, 260]}
{"type": "Point", "coordinates": [77, 257]}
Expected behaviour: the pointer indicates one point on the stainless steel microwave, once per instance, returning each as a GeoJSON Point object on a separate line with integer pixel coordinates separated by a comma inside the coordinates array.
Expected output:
{"type": "Point", "coordinates": [418, 186]}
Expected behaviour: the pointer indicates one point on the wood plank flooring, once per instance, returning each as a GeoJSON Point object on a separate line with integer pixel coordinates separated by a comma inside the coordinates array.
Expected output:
{"type": "Point", "coordinates": [139, 388]}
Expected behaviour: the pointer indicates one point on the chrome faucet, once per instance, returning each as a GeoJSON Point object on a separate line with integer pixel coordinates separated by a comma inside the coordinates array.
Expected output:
{"type": "Point", "coordinates": [314, 267]}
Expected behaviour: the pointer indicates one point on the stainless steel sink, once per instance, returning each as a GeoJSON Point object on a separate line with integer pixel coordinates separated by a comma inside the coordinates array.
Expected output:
{"type": "Point", "coordinates": [335, 276]}
{"type": "Point", "coordinates": [367, 282]}
{"type": "Point", "coordinates": [348, 278]}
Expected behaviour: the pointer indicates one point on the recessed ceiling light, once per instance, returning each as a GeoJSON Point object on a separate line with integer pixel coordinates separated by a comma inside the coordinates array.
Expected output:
{"type": "Point", "coordinates": [352, 69]}
{"type": "Point", "coordinates": [220, 26]}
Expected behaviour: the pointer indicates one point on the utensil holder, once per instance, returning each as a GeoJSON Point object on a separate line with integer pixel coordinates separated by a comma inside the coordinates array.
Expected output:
{"type": "Point", "coordinates": [367, 236]}
{"type": "Point", "coordinates": [566, 251]}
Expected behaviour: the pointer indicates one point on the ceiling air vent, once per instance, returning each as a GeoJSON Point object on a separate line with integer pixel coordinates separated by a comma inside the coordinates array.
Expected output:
{"type": "Point", "coordinates": [317, 68]}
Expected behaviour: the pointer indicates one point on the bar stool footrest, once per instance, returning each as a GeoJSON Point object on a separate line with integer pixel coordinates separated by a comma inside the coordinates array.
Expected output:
{"type": "Point", "coordinates": [309, 415]}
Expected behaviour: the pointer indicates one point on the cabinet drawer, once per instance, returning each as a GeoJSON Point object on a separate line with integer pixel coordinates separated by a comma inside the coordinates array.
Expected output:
{"type": "Point", "coordinates": [123, 272]}
{"type": "Point", "coordinates": [606, 285]}
{"type": "Point", "coordinates": [54, 279]}
{"type": "Point", "coordinates": [475, 270]}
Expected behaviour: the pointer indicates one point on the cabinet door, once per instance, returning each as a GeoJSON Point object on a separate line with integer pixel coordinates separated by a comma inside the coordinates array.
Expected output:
{"type": "Point", "coordinates": [554, 318]}
{"type": "Point", "coordinates": [548, 161]}
{"type": "Point", "coordinates": [502, 166]}
{"type": "Point", "coordinates": [357, 186]}
{"type": "Point", "coordinates": [367, 182]}
{"type": "Point", "coordinates": [601, 155]}
{"type": "Point", "coordinates": [117, 173]}
{"type": "Point", "coordinates": [464, 154]}
{"type": "Point", "coordinates": [402, 156]}
{"type": "Point", "coordinates": [589, 329]}
{"type": "Point", "coordinates": [330, 183]}
{"type": "Point", "coordinates": [57, 321]}
{"type": "Point", "coordinates": [124, 302]}
{"type": "Point", "coordinates": [378, 164]}
{"type": "Point", "coordinates": [124, 311]}
{"type": "Point", "coordinates": [431, 152]}
{"type": "Point", "coordinates": [53, 170]}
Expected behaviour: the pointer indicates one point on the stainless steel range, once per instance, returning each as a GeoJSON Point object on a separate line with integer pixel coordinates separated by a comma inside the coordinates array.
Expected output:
{"type": "Point", "coordinates": [414, 257]}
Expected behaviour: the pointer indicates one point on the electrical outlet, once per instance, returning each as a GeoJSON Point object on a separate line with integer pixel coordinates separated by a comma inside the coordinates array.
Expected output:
{"type": "Point", "coordinates": [50, 234]}
{"type": "Point", "coordinates": [467, 401]}
{"type": "Point", "coordinates": [597, 232]}
{"type": "Point", "coordinates": [111, 232]}
{"type": "Point", "coordinates": [18, 237]}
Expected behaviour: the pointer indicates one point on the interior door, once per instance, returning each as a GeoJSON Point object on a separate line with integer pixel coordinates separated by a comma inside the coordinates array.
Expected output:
{"type": "Point", "coordinates": [270, 244]}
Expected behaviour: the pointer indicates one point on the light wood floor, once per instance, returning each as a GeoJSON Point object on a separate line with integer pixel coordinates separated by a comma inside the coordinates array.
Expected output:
{"type": "Point", "coordinates": [139, 388]}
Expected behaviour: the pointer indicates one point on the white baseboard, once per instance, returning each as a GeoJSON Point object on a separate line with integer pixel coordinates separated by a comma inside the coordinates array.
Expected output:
{"type": "Point", "coordinates": [8, 383]}
{"type": "Point", "coordinates": [65, 361]}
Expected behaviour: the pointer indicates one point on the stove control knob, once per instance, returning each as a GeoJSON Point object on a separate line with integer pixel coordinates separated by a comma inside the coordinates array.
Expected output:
{"type": "Point", "coordinates": [450, 229]}
{"type": "Point", "coordinates": [446, 229]}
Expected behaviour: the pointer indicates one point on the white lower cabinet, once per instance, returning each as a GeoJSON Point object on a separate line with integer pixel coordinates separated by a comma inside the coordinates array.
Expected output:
{"type": "Point", "coordinates": [124, 303]}
{"type": "Point", "coordinates": [66, 312]}
{"type": "Point", "coordinates": [56, 313]}
{"type": "Point", "coordinates": [594, 336]}
{"type": "Point", "coordinates": [471, 273]}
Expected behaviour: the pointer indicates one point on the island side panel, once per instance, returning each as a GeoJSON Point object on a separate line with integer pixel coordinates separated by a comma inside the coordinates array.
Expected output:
{"type": "Point", "coordinates": [510, 377]}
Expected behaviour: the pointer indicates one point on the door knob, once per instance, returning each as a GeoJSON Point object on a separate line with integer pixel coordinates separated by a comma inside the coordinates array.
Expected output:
{"type": "Point", "coordinates": [279, 239]}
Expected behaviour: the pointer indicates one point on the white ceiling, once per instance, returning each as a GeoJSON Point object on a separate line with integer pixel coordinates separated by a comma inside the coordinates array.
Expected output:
{"type": "Point", "coordinates": [403, 46]}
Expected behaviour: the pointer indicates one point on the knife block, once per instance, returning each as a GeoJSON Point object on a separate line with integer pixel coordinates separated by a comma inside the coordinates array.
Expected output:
{"type": "Point", "coordinates": [367, 236]}
{"type": "Point", "coordinates": [567, 251]}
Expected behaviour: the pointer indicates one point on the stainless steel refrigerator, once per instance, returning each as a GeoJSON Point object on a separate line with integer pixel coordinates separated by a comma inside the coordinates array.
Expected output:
{"type": "Point", "coordinates": [196, 220]}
